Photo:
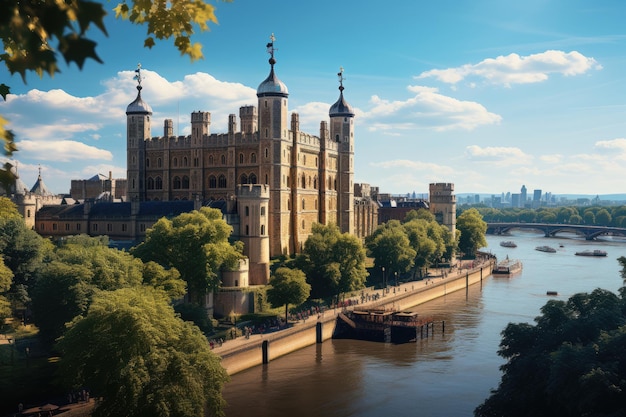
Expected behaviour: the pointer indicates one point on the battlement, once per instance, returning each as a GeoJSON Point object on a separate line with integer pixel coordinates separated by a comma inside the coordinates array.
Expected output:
{"type": "Point", "coordinates": [446, 187]}
{"type": "Point", "coordinates": [253, 191]}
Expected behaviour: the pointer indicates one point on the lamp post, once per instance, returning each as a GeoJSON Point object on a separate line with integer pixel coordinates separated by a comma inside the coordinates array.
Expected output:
{"type": "Point", "coordinates": [384, 284]}
{"type": "Point", "coordinates": [396, 274]}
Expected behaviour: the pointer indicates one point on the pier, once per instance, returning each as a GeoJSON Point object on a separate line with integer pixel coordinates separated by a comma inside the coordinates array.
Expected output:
{"type": "Point", "coordinates": [381, 325]}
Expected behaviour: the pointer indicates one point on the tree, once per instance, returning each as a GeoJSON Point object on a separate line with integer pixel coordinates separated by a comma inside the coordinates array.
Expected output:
{"type": "Point", "coordinates": [333, 262]}
{"type": "Point", "coordinates": [134, 353]}
{"type": "Point", "coordinates": [570, 363]}
{"type": "Point", "coordinates": [194, 243]}
{"type": "Point", "coordinates": [622, 262]}
{"type": "Point", "coordinates": [603, 217]}
{"type": "Point", "coordinates": [29, 29]}
{"type": "Point", "coordinates": [472, 228]}
{"type": "Point", "coordinates": [288, 286]}
{"type": "Point", "coordinates": [391, 248]}
{"type": "Point", "coordinates": [6, 279]}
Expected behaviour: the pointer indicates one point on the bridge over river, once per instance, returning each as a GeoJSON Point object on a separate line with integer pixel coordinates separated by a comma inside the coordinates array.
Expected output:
{"type": "Point", "coordinates": [551, 229]}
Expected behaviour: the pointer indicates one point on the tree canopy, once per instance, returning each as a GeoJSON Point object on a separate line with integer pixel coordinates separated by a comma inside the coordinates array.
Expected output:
{"type": "Point", "coordinates": [196, 244]}
{"type": "Point", "coordinates": [472, 230]}
{"type": "Point", "coordinates": [333, 262]}
{"type": "Point", "coordinates": [288, 286]}
{"type": "Point", "coordinates": [571, 363]}
{"type": "Point", "coordinates": [134, 353]}
{"type": "Point", "coordinates": [391, 248]}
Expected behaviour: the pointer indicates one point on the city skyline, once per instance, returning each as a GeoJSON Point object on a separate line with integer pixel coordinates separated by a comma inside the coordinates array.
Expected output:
{"type": "Point", "coordinates": [482, 94]}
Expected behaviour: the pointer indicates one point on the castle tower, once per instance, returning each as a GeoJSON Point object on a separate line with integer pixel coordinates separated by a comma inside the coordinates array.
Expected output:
{"type": "Point", "coordinates": [342, 131]}
{"type": "Point", "coordinates": [138, 115]}
{"type": "Point", "coordinates": [275, 160]}
{"type": "Point", "coordinates": [253, 208]}
{"type": "Point", "coordinates": [443, 204]}
{"type": "Point", "coordinates": [200, 124]}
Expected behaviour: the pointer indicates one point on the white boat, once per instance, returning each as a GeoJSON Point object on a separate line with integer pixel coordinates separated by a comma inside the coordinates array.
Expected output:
{"type": "Point", "coordinates": [596, 252]}
{"type": "Point", "coordinates": [544, 248]}
{"type": "Point", "coordinates": [508, 244]}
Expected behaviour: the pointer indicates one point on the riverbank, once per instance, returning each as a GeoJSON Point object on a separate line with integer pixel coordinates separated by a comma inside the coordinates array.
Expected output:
{"type": "Point", "coordinates": [244, 353]}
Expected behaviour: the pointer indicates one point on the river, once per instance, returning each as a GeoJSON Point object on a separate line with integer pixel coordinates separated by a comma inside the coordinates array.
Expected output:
{"type": "Point", "coordinates": [447, 374]}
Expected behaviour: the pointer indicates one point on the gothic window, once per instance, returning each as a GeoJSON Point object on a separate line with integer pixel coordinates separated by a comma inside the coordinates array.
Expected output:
{"type": "Point", "coordinates": [212, 181]}
{"type": "Point", "coordinates": [158, 183]}
{"type": "Point", "coordinates": [241, 158]}
{"type": "Point", "coordinates": [335, 184]}
{"type": "Point", "coordinates": [252, 179]}
{"type": "Point", "coordinates": [247, 230]}
{"type": "Point", "coordinates": [77, 226]}
{"type": "Point", "coordinates": [315, 183]}
{"type": "Point", "coordinates": [223, 159]}
{"type": "Point", "coordinates": [196, 162]}
{"type": "Point", "coordinates": [159, 163]}
{"type": "Point", "coordinates": [175, 162]}
{"type": "Point", "coordinates": [253, 158]}
{"type": "Point", "coordinates": [247, 211]}
{"type": "Point", "coordinates": [147, 162]}
{"type": "Point", "coordinates": [185, 162]}
{"type": "Point", "coordinates": [222, 181]}
{"type": "Point", "coordinates": [267, 153]}
{"type": "Point", "coordinates": [303, 181]}
{"type": "Point", "coordinates": [244, 179]}
{"type": "Point", "coordinates": [176, 183]}
{"type": "Point", "coordinates": [210, 159]}
{"type": "Point", "coordinates": [150, 183]}
{"type": "Point", "coordinates": [336, 138]}
{"type": "Point", "coordinates": [185, 182]}
{"type": "Point", "coordinates": [303, 205]}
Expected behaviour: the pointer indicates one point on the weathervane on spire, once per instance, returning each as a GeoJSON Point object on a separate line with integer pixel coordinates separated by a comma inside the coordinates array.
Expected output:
{"type": "Point", "coordinates": [137, 76]}
{"type": "Point", "coordinates": [341, 78]}
{"type": "Point", "coordinates": [271, 49]}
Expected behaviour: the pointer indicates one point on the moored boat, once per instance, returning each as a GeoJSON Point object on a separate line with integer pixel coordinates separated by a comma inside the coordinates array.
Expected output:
{"type": "Point", "coordinates": [545, 248]}
{"type": "Point", "coordinates": [507, 267]}
{"type": "Point", "coordinates": [508, 244]}
{"type": "Point", "coordinates": [596, 252]}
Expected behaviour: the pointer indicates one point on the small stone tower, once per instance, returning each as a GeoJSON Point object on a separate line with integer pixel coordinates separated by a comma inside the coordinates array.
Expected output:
{"type": "Point", "coordinates": [443, 204]}
{"type": "Point", "coordinates": [342, 131]}
{"type": "Point", "coordinates": [138, 114]}
{"type": "Point", "coordinates": [253, 209]}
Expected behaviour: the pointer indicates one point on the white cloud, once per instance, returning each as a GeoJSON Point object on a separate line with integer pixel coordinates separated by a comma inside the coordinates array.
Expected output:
{"type": "Point", "coordinates": [516, 69]}
{"type": "Point", "coordinates": [498, 155]}
{"type": "Point", "coordinates": [611, 145]}
{"type": "Point", "coordinates": [62, 151]}
{"type": "Point", "coordinates": [427, 109]}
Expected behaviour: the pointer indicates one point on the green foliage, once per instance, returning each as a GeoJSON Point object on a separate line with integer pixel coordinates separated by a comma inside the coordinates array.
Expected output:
{"type": "Point", "coordinates": [194, 243]}
{"type": "Point", "coordinates": [288, 286]}
{"type": "Point", "coordinates": [391, 248]}
{"type": "Point", "coordinates": [6, 279]}
{"type": "Point", "coordinates": [141, 359]}
{"type": "Point", "coordinates": [570, 363]}
{"type": "Point", "coordinates": [622, 262]}
{"type": "Point", "coordinates": [333, 262]}
{"type": "Point", "coordinates": [197, 315]}
{"type": "Point", "coordinates": [472, 228]}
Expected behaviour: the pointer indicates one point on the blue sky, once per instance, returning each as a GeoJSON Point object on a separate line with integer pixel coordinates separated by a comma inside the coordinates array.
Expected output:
{"type": "Point", "coordinates": [488, 95]}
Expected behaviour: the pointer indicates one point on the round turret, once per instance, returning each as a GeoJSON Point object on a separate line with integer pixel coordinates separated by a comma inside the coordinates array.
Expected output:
{"type": "Point", "coordinates": [138, 106]}
{"type": "Point", "coordinates": [341, 108]}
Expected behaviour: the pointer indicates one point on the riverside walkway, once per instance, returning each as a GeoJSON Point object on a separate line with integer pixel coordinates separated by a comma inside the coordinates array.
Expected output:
{"type": "Point", "coordinates": [397, 297]}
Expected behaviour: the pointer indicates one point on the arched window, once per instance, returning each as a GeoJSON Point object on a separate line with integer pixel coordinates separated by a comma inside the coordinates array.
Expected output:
{"type": "Point", "coordinates": [315, 182]}
{"type": "Point", "coordinates": [267, 153]}
{"type": "Point", "coordinates": [288, 204]}
{"type": "Point", "coordinates": [252, 179]}
{"type": "Point", "coordinates": [176, 183]}
{"type": "Point", "coordinates": [303, 181]}
{"type": "Point", "coordinates": [212, 181]}
{"type": "Point", "coordinates": [159, 163]}
{"type": "Point", "coordinates": [175, 162]}
{"type": "Point", "coordinates": [185, 162]}
{"type": "Point", "coordinates": [335, 184]}
{"type": "Point", "coordinates": [150, 183]}
{"type": "Point", "coordinates": [262, 229]}
{"type": "Point", "coordinates": [303, 205]}
{"type": "Point", "coordinates": [244, 179]}
{"type": "Point", "coordinates": [241, 158]}
{"type": "Point", "coordinates": [221, 182]}
{"type": "Point", "coordinates": [158, 183]}
{"type": "Point", "coordinates": [210, 159]}
{"type": "Point", "coordinates": [223, 159]}
{"type": "Point", "coordinates": [247, 211]}
{"type": "Point", "coordinates": [267, 179]}
{"type": "Point", "coordinates": [253, 158]}
{"type": "Point", "coordinates": [147, 162]}
{"type": "Point", "coordinates": [185, 182]}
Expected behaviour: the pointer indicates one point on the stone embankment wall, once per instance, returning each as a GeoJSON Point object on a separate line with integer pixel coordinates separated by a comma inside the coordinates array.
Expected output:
{"type": "Point", "coordinates": [241, 354]}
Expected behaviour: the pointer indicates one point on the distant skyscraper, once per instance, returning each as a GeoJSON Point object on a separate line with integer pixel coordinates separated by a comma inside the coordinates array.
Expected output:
{"type": "Point", "coordinates": [523, 196]}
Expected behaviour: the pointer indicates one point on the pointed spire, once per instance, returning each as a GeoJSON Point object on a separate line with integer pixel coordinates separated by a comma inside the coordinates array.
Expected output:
{"type": "Point", "coordinates": [341, 106]}
{"type": "Point", "coordinates": [138, 106]}
{"type": "Point", "coordinates": [272, 86]}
